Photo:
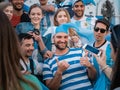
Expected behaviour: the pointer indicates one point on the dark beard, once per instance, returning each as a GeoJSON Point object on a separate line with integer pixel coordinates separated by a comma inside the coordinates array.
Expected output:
{"type": "Point", "coordinates": [78, 16]}
{"type": "Point", "coordinates": [57, 46]}
{"type": "Point", "coordinates": [17, 9]}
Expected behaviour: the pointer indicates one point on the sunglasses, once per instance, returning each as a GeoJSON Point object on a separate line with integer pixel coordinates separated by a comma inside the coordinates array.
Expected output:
{"type": "Point", "coordinates": [96, 29]}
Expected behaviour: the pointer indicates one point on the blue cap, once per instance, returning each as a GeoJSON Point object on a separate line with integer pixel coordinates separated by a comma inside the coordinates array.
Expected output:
{"type": "Point", "coordinates": [65, 28]}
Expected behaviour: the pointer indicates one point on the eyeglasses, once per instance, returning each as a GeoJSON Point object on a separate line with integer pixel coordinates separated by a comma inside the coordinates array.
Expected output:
{"type": "Point", "coordinates": [96, 29]}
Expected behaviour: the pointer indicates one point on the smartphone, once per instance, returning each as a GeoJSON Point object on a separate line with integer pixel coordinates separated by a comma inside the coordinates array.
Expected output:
{"type": "Point", "coordinates": [92, 49]}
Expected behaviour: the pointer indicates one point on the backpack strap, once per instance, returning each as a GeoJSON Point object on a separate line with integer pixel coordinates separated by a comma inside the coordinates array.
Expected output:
{"type": "Point", "coordinates": [32, 66]}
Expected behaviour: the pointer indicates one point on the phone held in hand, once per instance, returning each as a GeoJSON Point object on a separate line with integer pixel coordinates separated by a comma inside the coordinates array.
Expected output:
{"type": "Point", "coordinates": [92, 49]}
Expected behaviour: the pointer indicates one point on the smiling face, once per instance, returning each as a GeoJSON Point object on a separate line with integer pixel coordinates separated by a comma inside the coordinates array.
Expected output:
{"type": "Point", "coordinates": [78, 9]}
{"type": "Point", "coordinates": [27, 47]}
{"type": "Point", "coordinates": [9, 11]}
{"type": "Point", "coordinates": [18, 4]}
{"type": "Point", "coordinates": [61, 18]}
{"type": "Point", "coordinates": [61, 41]}
{"type": "Point", "coordinates": [36, 15]}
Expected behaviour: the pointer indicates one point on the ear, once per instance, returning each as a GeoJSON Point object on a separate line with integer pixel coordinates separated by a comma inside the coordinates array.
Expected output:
{"type": "Point", "coordinates": [108, 32]}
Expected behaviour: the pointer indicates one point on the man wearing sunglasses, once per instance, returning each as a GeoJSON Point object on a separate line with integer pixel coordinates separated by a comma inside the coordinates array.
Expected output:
{"type": "Point", "coordinates": [101, 29]}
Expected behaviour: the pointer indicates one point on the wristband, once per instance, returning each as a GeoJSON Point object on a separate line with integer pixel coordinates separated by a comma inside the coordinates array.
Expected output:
{"type": "Point", "coordinates": [105, 67]}
{"type": "Point", "coordinates": [44, 51]}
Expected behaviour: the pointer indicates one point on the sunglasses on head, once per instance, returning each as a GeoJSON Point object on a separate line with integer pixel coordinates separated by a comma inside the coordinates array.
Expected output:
{"type": "Point", "coordinates": [96, 29]}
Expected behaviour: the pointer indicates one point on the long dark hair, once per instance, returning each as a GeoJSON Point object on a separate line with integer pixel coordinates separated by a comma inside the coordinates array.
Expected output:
{"type": "Point", "coordinates": [115, 41]}
{"type": "Point", "coordinates": [10, 75]}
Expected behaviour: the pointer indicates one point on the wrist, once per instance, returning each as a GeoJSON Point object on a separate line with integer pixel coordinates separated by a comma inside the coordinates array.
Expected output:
{"type": "Point", "coordinates": [58, 74]}
{"type": "Point", "coordinates": [39, 39]}
{"type": "Point", "coordinates": [104, 67]}
{"type": "Point", "coordinates": [44, 51]}
{"type": "Point", "coordinates": [90, 66]}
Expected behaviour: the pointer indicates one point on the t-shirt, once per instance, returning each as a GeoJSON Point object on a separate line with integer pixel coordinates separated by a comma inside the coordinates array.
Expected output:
{"type": "Point", "coordinates": [33, 79]}
{"type": "Point", "coordinates": [75, 77]}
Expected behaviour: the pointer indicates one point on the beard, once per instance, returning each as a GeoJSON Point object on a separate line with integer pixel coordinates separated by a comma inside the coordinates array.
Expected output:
{"type": "Point", "coordinates": [60, 47]}
{"type": "Point", "coordinates": [78, 15]}
{"type": "Point", "coordinates": [17, 9]}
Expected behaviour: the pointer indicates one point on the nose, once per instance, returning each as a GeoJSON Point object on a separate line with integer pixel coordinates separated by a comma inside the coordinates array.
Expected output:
{"type": "Point", "coordinates": [31, 47]}
{"type": "Point", "coordinates": [63, 39]}
{"type": "Point", "coordinates": [99, 31]}
{"type": "Point", "coordinates": [63, 17]}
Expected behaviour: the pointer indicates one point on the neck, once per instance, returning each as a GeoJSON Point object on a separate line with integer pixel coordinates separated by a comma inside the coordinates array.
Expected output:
{"type": "Point", "coordinates": [26, 59]}
{"type": "Point", "coordinates": [99, 43]}
{"type": "Point", "coordinates": [77, 18]}
{"type": "Point", "coordinates": [61, 52]}
{"type": "Point", "coordinates": [36, 26]}
{"type": "Point", "coordinates": [18, 13]}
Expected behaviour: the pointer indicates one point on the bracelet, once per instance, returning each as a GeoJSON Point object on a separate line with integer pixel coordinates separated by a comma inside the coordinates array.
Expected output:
{"type": "Point", "coordinates": [44, 51]}
{"type": "Point", "coordinates": [105, 67]}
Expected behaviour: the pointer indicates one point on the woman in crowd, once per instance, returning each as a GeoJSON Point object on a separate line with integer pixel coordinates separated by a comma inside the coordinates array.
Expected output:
{"type": "Point", "coordinates": [35, 14]}
{"type": "Point", "coordinates": [10, 76]}
{"type": "Point", "coordinates": [112, 74]}
{"type": "Point", "coordinates": [7, 8]}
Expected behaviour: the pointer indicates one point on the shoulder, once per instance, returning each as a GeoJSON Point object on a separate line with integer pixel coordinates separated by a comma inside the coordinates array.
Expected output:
{"type": "Point", "coordinates": [24, 24]}
{"type": "Point", "coordinates": [32, 79]}
{"type": "Point", "coordinates": [49, 60]}
{"type": "Point", "coordinates": [76, 50]}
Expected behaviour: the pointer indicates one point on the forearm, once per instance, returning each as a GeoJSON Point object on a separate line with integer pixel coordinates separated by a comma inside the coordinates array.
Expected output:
{"type": "Point", "coordinates": [92, 72]}
{"type": "Point", "coordinates": [107, 70]}
{"type": "Point", "coordinates": [54, 84]}
{"type": "Point", "coordinates": [41, 44]}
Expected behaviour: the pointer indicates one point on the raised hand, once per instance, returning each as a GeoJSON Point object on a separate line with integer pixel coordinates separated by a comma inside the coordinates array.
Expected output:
{"type": "Point", "coordinates": [62, 65]}
{"type": "Point", "coordinates": [85, 60]}
{"type": "Point", "coordinates": [101, 59]}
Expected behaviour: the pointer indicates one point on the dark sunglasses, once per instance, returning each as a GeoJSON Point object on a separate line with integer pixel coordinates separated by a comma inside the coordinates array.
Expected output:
{"type": "Point", "coordinates": [96, 29]}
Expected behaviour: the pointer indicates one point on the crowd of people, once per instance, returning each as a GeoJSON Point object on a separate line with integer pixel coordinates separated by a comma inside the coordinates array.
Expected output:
{"type": "Point", "coordinates": [41, 48]}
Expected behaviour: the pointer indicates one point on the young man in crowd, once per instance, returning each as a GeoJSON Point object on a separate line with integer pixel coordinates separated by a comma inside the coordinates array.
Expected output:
{"type": "Point", "coordinates": [18, 14]}
{"type": "Point", "coordinates": [86, 24]}
{"type": "Point", "coordinates": [101, 30]}
{"type": "Point", "coordinates": [67, 69]}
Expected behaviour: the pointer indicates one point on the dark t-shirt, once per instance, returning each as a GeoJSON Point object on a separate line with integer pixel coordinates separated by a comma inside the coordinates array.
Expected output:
{"type": "Point", "coordinates": [17, 19]}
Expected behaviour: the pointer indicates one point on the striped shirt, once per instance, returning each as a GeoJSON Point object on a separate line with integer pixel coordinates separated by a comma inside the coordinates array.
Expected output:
{"type": "Point", "coordinates": [75, 77]}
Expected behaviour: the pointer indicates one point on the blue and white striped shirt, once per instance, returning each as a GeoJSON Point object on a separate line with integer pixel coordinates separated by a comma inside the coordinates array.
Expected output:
{"type": "Point", "coordinates": [75, 77]}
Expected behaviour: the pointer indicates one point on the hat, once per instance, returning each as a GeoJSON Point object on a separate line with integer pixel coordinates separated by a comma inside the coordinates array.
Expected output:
{"type": "Point", "coordinates": [65, 28]}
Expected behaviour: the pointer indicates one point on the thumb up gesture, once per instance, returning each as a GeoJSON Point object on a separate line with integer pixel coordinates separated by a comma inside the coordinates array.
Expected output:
{"type": "Point", "coordinates": [62, 65]}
